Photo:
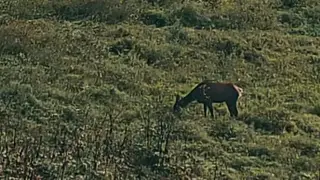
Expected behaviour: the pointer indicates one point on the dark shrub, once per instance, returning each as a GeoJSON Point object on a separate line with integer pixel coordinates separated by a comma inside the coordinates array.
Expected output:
{"type": "Point", "coordinates": [110, 12]}
{"type": "Point", "coordinates": [157, 18]}
{"type": "Point", "coordinates": [292, 19]}
{"type": "Point", "coordinates": [190, 17]}
{"type": "Point", "coordinates": [122, 46]}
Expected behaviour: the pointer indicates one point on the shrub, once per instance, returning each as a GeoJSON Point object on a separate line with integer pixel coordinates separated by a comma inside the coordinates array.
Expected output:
{"type": "Point", "coordinates": [312, 15]}
{"type": "Point", "coordinates": [272, 122]}
{"type": "Point", "coordinates": [305, 164]}
{"type": "Point", "coordinates": [13, 41]}
{"type": "Point", "coordinates": [223, 130]}
{"type": "Point", "coordinates": [292, 3]}
{"type": "Point", "coordinates": [163, 3]}
{"type": "Point", "coordinates": [152, 56]}
{"type": "Point", "coordinates": [248, 14]}
{"type": "Point", "coordinates": [159, 56]}
{"type": "Point", "coordinates": [190, 17]}
{"type": "Point", "coordinates": [25, 9]}
{"type": "Point", "coordinates": [5, 19]}
{"type": "Point", "coordinates": [305, 147]}
{"type": "Point", "coordinates": [254, 57]}
{"type": "Point", "coordinates": [178, 34]}
{"type": "Point", "coordinates": [261, 152]}
{"type": "Point", "coordinates": [158, 18]}
{"type": "Point", "coordinates": [110, 12]}
{"type": "Point", "coordinates": [122, 46]}
{"type": "Point", "coordinates": [316, 110]}
{"type": "Point", "coordinates": [228, 47]}
{"type": "Point", "coordinates": [292, 19]}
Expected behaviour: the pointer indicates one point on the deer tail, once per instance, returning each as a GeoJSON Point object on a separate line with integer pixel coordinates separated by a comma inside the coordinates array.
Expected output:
{"type": "Point", "coordinates": [238, 89]}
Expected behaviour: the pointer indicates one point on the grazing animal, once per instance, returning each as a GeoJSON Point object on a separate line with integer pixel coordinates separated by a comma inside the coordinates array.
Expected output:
{"type": "Point", "coordinates": [208, 92]}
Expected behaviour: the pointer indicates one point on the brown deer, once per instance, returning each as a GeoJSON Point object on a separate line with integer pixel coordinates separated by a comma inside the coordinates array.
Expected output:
{"type": "Point", "coordinates": [208, 92]}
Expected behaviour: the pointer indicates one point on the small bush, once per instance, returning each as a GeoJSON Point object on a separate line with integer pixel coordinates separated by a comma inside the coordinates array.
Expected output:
{"type": "Point", "coordinates": [228, 47]}
{"type": "Point", "coordinates": [261, 176]}
{"type": "Point", "coordinates": [162, 3]}
{"type": "Point", "coordinates": [223, 130]}
{"type": "Point", "coordinates": [305, 147]}
{"type": "Point", "coordinates": [292, 19]}
{"type": "Point", "coordinates": [249, 14]}
{"type": "Point", "coordinates": [261, 152]}
{"type": "Point", "coordinates": [292, 3]}
{"type": "Point", "coordinates": [177, 34]}
{"type": "Point", "coordinates": [120, 33]}
{"type": "Point", "coordinates": [274, 123]}
{"type": "Point", "coordinates": [157, 18]}
{"type": "Point", "coordinates": [159, 56]}
{"type": "Point", "coordinates": [316, 110]}
{"type": "Point", "coordinates": [25, 9]}
{"type": "Point", "coordinates": [240, 163]}
{"type": "Point", "coordinates": [254, 57]}
{"type": "Point", "coordinates": [153, 56]}
{"type": "Point", "coordinates": [189, 16]}
{"type": "Point", "coordinates": [312, 15]}
{"type": "Point", "coordinates": [12, 41]}
{"type": "Point", "coordinates": [122, 46]}
{"type": "Point", "coordinates": [5, 19]}
{"type": "Point", "coordinates": [305, 164]}
{"type": "Point", "coordinates": [110, 12]}
{"type": "Point", "coordinates": [298, 31]}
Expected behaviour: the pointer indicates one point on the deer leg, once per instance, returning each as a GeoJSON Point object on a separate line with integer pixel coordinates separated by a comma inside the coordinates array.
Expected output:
{"type": "Point", "coordinates": [210, 109]}
{"type": "Point", "coordinates": [205, 109]}
{"type": "Point", "coordinates": [232, 107]}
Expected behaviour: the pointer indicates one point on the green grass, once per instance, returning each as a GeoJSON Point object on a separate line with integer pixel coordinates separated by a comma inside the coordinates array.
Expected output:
{"type": "Point", "coordinates": [87, 89]}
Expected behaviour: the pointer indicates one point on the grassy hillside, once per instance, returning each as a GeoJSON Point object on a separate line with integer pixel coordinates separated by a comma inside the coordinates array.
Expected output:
{"type": "Point", "coordinates": [87, 89]}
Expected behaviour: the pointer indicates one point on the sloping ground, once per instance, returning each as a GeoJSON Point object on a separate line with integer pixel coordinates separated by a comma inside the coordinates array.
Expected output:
{"type": "Point", "coordinates": [85, 96]}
